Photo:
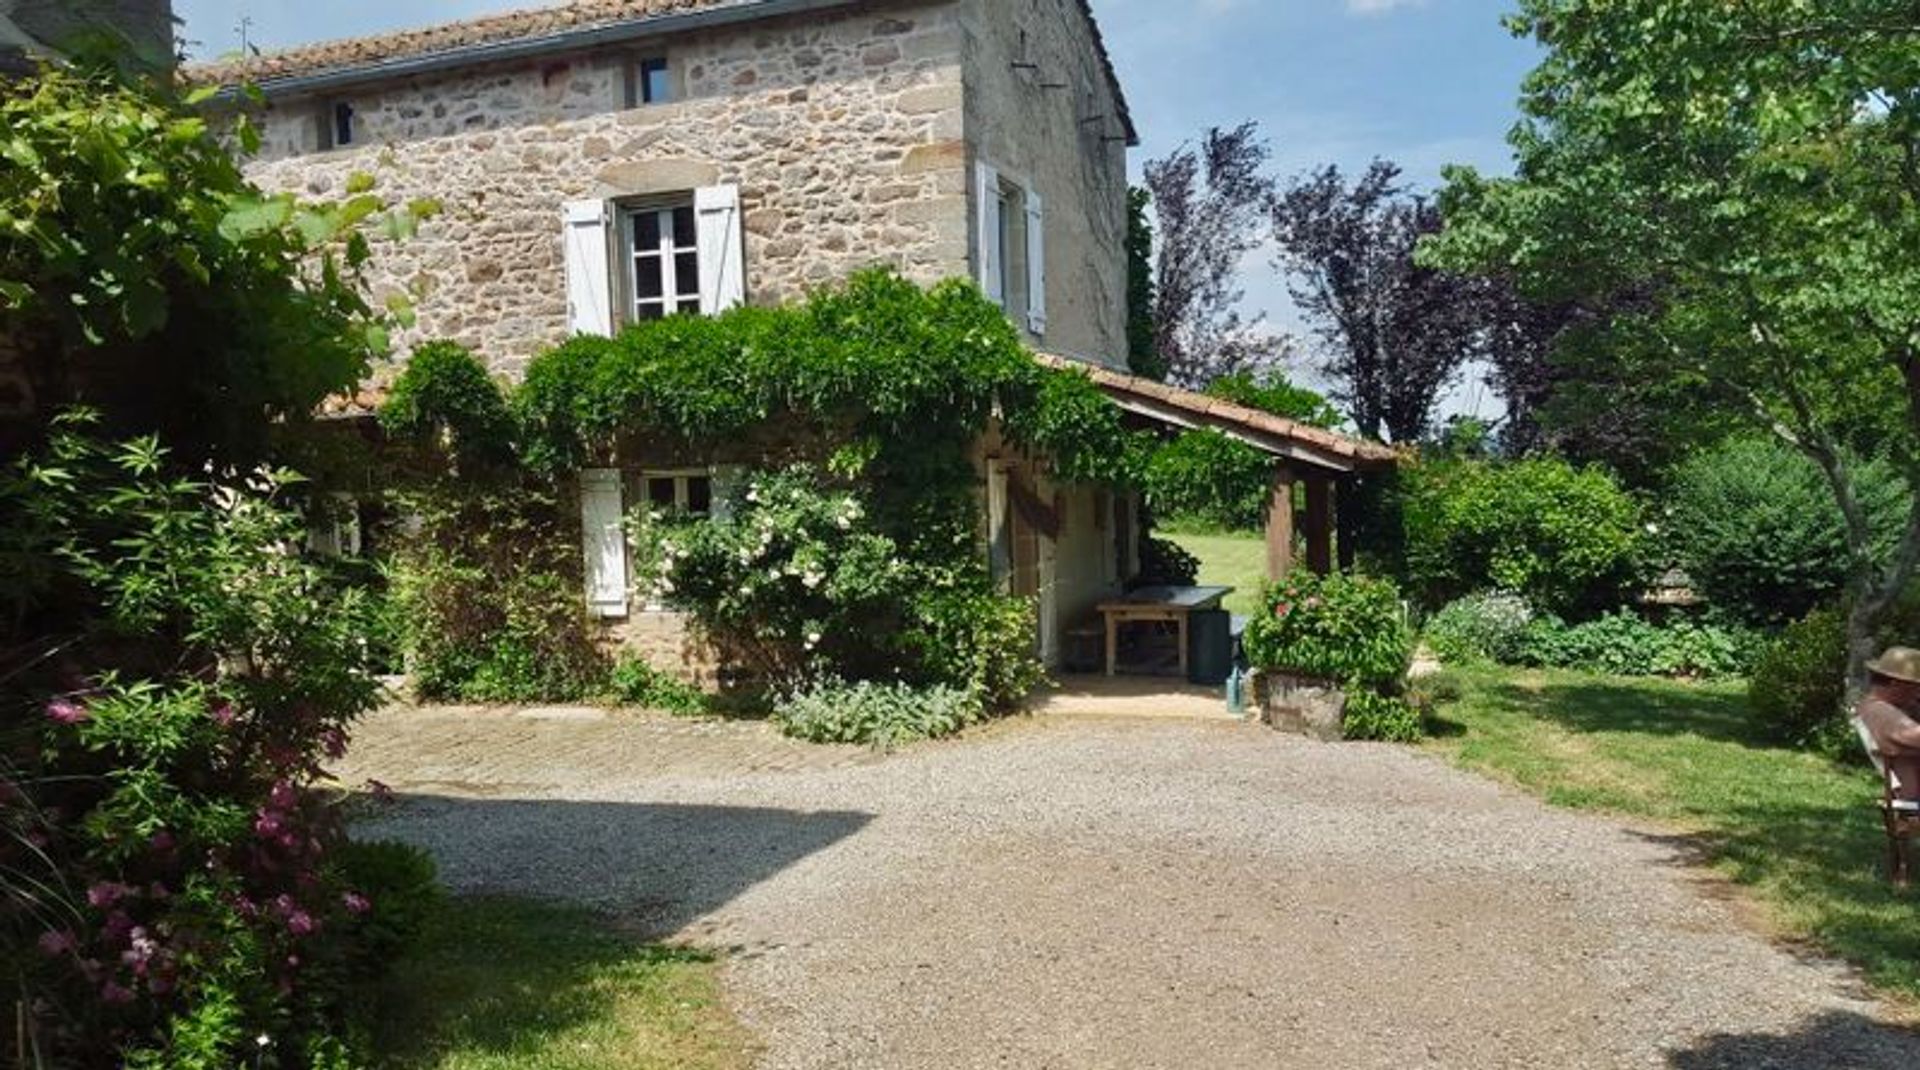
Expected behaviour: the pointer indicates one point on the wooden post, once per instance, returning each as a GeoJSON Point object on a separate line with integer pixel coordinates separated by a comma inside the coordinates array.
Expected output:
{"type": "Point", "coordinates": [1280, 523]}
{"type": "Point", "coordinates": [1319, 523]}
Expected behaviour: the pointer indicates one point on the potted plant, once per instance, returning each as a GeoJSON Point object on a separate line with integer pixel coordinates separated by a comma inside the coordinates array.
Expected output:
{"type": "Point", "coordinates": [1318, 638]}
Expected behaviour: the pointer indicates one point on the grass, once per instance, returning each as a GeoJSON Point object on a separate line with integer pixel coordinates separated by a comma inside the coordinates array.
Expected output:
{"type": "Point", "coordinates": [1228, 560]}
{"type": "Point", "coordinates": [1797, 829]}
{"type": "Point", "coordinates": [502, 984]}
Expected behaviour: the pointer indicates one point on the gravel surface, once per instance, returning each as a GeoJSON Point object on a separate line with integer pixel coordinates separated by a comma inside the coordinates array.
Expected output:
{"type": "Point", "coordinates": [1092, 893]}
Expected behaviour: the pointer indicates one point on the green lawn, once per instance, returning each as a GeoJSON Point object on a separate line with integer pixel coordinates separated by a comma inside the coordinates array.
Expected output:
{"type": "Point", "coordinates": [1238, 561]}
{"type": "Point", "coordinates": [1801, 831]}
{"type": "Point", "coordinates": [503, 984]}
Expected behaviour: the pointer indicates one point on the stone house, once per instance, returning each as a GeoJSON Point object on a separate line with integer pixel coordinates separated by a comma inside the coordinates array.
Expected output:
{"type": "Point", "coordinates": [609, 161]}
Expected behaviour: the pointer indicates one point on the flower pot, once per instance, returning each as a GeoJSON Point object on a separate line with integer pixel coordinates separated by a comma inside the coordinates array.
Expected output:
{"type": "Point", "coordinates": [1303, 705]}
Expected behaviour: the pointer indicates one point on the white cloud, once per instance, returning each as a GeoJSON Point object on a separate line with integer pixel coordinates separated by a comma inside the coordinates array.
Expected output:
{"type": "Point", "coordinates": [1380, 7]}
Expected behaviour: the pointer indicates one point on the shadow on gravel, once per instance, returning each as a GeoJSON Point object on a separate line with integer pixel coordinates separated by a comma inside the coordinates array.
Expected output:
{"type": "Point", "coordinates": [655, 867]}
{"type": "Point", "coordinates": [1833, 1041]}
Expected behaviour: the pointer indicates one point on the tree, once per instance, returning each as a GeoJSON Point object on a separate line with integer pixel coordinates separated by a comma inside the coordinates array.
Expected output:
{"type": "Point", "coordinates": [1208, 202]}
{"type": "Point", "coordinates": [1755, 169]}
{"type": "Point", "coordinates": [1143, 354]}
{"type": "Point", "coordinates": [1393, 334]}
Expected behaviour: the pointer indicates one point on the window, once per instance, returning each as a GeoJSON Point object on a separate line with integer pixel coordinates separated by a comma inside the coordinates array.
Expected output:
{"type": "Point", "coordinates": [338, 128]}
{"type": "Point", "coordinates": [650, 81]}
{"type": "Point", "coordinates": [663, 274]}
{"type": "Point", "coordinates": [689, 492]}
{"type": "Point", "coordinates": [1011, 249]}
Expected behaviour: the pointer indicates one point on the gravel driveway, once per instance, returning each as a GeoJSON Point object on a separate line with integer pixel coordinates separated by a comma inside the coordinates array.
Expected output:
{"type": "Point", "coordinates": [1088, 893]}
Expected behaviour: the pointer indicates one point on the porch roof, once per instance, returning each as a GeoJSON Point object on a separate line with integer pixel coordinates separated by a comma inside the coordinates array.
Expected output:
{"type": "Point", "coordinates": [1264, 431]}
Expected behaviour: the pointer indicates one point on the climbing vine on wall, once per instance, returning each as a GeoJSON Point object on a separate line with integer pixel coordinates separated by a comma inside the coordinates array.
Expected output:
{"type": "Point", "coordinates": [882, 387]}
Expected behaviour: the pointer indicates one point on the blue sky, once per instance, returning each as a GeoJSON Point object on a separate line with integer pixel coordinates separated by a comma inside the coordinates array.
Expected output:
{"type": "Point", "coordinates": [1423, 82]}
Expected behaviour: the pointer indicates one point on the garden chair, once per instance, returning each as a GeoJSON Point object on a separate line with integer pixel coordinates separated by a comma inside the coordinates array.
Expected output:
{"type": "Point", "coordinates": [1901, 817]}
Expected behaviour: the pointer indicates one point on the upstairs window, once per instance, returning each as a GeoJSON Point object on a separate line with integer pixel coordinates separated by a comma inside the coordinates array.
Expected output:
{"type": "Point", "coordinates": [663, 254]}
{"type": "Point", "coordinates": [1011, 249]}
{"type": "Point", "coordinates": [650, 81]}
{"type": "Point", "coordinates": [339, 127]}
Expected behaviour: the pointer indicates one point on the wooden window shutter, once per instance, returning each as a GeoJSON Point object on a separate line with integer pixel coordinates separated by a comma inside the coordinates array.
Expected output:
{"type": "Point", "coordinates": [1036, 264]}
{"type": "Point", "coordinates": [589, 271]}
{"type": "Point", "coordinates": [992, 275]}
{"type": "Point", "coordinates": [605, 540]}
{"type": "Point", "coordinates": [723, 274]}
{"type": "Point", "coordinates": [999, 529]}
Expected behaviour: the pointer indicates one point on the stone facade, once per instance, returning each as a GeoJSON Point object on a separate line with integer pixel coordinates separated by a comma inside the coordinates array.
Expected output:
{"type": "Point", "coordinates": [845, 135]}
{"type": "Point", "coordinates": [855, 136]}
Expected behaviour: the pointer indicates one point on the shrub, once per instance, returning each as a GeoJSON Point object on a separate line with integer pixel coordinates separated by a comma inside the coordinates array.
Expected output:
{"type": "Point", "coordinates": [1272, 393]}
{"type": "Point", "coordinates": [799, 579]}
{"type": "Point", "coordinates": [1339, 627]}
{"type": "Point", "coordinates": [488, 585]}
{"type": "Point", "coordinates": [445, 400]}
{"type": "Point", "coordinates": [400, 888]}
{"type": "Point", "coordinates": [1563, 538]}
{"type": "Point", "coordinates": [881, 715]}
{"type": "Point", "coordinates": [1479, 629]}
{"type": "Point", "coordinates": [1382, 718]}
{"type": "Point", "coordinates": [1203, 479]}
{"type": "Point", "coordinates": [1625, 644]}
{"type": "Point", "coordinates": [1799, 685]}
{"type": "Point", "coordinates": [983, 643]}
{"type": "Point", "coordinates": [180, 877]}
{"type": "Point", "coordinates": [1753, 523]}
{"type": "Point", "coordinates": [633, 682]}
{"type": "Point", "coordinates": [1165, 563]}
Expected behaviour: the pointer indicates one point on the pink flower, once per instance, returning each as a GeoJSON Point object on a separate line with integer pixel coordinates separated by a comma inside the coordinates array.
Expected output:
{"type": "Point", "coordinates": [224, 716]}
{"type": "Point", "coordinates": [334, 742]}
{"type": "Point", "coordinates": [1282, 610]}
{"type": "Point", "coordinates": [267, 825]}
{"type": "Point", "coordinates": [356, 903]}
{"type": "Point", "coordinates": [106, 893]}
{"type": "Point", "coordinates": [283, 795]}
{"type": "Point", "coordinates": [55, 944]}
{"type": "Point", "coordinates": [162, 841]}
{"type": "Point", "coordinates": [300, 923]}
{"type": "Point", "coordinates": [64, 711]}
{"type": "Point", "coordinates": [112, 992]}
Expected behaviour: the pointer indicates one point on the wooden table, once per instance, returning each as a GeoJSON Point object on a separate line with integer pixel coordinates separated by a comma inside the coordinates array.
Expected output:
{"type": "Point", "coordinates": [1164, 605]}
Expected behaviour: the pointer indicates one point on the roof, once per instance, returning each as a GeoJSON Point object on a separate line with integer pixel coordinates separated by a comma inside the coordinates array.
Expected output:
{"type": "Point", "coordinates": [1262, 430]}
{"type": "Point", "coordinates": [553, 26]}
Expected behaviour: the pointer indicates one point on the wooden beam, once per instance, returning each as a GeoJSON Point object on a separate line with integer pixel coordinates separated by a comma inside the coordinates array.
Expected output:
{"type": "Point", "coordinates": [1280, 523]}
{"type": "Point", "coordinates": [1319, 523]}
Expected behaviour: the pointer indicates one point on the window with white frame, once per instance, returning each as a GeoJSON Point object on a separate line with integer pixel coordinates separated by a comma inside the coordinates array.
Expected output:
{"type": "Point", "coordinates": [662, 246]}
{"type": "Point", "coordinates": [687, 491]}
{"type": "Point", "coordinates": [1011, 248]}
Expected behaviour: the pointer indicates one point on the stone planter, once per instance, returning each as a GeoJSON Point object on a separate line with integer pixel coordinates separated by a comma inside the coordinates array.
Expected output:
{"type": "Point", "coordinates": [1302, 705]}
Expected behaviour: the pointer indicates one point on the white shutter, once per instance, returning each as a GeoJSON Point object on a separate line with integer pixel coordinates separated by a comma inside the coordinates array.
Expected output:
{"type": "Point", "coordinates": [1036, 265]}
{"type": "Point", "coordinates": [1049, 600]}
{"type": "Point", "coordinates": [605, 541]}
{"type": "Point", "coordinates": [723, 277]}
{"type": "Point", "coordinates": [992, 278]}
{"type": "Point", "coordinates": [589, 273]}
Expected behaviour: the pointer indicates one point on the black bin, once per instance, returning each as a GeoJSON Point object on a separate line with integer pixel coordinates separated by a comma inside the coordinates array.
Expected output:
{"type": "Point", "coordinates": [1209, 647]}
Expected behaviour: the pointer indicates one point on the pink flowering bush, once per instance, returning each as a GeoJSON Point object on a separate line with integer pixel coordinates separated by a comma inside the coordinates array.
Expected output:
{"type": "Point", "coordinates": [1345, 628]}
{"type": "Point", "coordinates": [175, 674]}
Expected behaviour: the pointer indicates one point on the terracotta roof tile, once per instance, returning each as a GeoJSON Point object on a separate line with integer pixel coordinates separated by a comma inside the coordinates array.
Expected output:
{"type": "Point", "coordinates": [1218, 410]}
{"type": "Point", "coordinates": [349, 53]}
{"type": "Point", "coordinates": [449, 36]}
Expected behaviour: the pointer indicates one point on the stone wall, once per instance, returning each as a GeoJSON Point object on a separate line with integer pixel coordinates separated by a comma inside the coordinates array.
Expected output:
{"type": "Point", "coordinates": [844, 132]}
{"type": "Point", "coordinates": [1055, 126]}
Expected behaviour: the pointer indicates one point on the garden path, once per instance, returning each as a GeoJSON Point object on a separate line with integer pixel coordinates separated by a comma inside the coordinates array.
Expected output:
{"type": "Point", "coordinates": [1074, 892]}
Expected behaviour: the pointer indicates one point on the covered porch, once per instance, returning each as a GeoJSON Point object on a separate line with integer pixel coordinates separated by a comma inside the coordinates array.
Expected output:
{"type": "Point", "coordinates": [1314, 469]}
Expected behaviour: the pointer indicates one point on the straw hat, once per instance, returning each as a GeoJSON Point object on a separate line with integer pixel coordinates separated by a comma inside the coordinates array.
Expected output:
{"type": "Point", "coordinates": [1900, 663]}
